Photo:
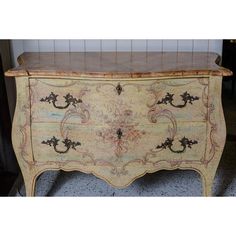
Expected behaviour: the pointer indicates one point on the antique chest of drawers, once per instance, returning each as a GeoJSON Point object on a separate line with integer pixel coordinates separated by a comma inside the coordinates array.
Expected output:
{"type": "Point", "coordinates": [118, 115]}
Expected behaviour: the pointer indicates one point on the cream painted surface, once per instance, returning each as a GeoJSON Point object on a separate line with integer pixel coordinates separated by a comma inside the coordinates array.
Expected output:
{"type": "Point", "coordinates": [119, 161]}
{"type": "Point", "coordinates": [137, 143]}
{"type": "Point", "coordinates": [102, 104]}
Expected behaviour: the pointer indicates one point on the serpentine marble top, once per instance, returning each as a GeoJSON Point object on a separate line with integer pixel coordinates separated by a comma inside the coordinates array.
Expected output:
{"type": "Point", "coordinates": [118, 64]}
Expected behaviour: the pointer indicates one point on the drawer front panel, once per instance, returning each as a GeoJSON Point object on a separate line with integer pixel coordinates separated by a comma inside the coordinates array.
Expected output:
{"type": "Point", "coordinates": [125, 102]}
{"type": "Point", "coordinates": [116, 146]}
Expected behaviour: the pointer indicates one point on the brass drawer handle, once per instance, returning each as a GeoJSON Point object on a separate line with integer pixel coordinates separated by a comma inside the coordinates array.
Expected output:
{"type": "Point", "coordinates": [185, 142]}
{"type": "Point", "coordinates": [186, 97]}
{"type": "Point", "coordinates": [67, 142]}
{"type": "Point", "coordinates": [119, 133]}
{"type": "Point", "coordinates": [69, 99]}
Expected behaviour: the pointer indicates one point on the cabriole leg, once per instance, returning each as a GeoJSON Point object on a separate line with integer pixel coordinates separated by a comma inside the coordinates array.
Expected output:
{"type": "Point", "coordinates": [29, 181]}
{"type": "Point", "coordinates": [207, 184]}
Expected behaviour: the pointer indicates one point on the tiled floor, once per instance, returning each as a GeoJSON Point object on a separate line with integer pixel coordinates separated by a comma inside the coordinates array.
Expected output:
{"type": "Point", "coordinates": [162, 183]}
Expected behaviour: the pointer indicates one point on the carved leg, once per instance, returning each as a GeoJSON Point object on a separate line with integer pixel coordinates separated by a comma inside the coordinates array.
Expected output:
{"type": "Point", "coordinates": [207, 183]}
{"type": "Point", "coordinates": [29, 181]}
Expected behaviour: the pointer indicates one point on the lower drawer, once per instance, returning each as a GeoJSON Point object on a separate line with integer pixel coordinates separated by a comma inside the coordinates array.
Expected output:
{"type": "Point", "coordinates": [118, 146]}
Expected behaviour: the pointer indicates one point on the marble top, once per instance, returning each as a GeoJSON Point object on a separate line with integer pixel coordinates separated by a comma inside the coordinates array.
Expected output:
{"type": "Point", "coordinates": [118, 64]}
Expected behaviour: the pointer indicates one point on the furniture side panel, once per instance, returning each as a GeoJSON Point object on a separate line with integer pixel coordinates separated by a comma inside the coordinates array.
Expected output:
{"type": "Point", "coordinates": [21, 129]}
{"type": "Point", "coordinates": [216, 124]}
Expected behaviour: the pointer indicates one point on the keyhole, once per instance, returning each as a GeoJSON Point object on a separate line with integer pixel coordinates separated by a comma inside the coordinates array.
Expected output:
{"type": "Point", "coordinates": [119, 133]}
{"type": "Point", "coordinates": [119, 89]}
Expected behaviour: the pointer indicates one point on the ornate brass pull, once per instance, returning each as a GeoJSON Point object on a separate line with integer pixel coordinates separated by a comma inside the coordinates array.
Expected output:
{"type": "Point", "coordinates": [67, 142]}
{"type": "Point", "coordinates": [119, 133]}
{"type": "Point", "coordinates": [69, 99]}
{"type": "Point", "coordinates": [186, 97]}
{"type": "Point", "coordinates": [119, 89]}
{"type": "Point", "coordinates": [185, 142]}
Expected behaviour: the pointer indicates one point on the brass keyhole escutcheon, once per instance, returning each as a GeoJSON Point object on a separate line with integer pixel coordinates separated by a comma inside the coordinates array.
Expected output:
{"type": "Point", "coordinates": [119, 89]}
{"type": "Point", "coordinates": [119, 133]}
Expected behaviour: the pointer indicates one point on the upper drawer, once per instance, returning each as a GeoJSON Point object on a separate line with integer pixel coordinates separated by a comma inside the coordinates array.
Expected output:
{"type": "Point", "coordinates": [99, 102]}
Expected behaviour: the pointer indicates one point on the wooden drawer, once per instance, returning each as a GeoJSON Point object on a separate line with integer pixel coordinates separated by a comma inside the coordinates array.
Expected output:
{"type": "Point", "coordinates": [118, 146]}
{"type": "Point", "coordinates": [105, 102]}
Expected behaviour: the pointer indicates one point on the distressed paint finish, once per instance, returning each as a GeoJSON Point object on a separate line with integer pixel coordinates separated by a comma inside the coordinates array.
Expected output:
{"type": "Point", "coordinates": [119, 136]}
{"type": "Point", "coordinates": [101, 103]}
{"type": "Point", "coordinates": [109, 65]}
{"type": "Point", "coordinates": [21, 135]}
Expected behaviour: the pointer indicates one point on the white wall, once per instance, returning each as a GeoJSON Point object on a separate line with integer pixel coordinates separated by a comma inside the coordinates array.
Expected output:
{"type": "Point", "coordinates": [20, 46]}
